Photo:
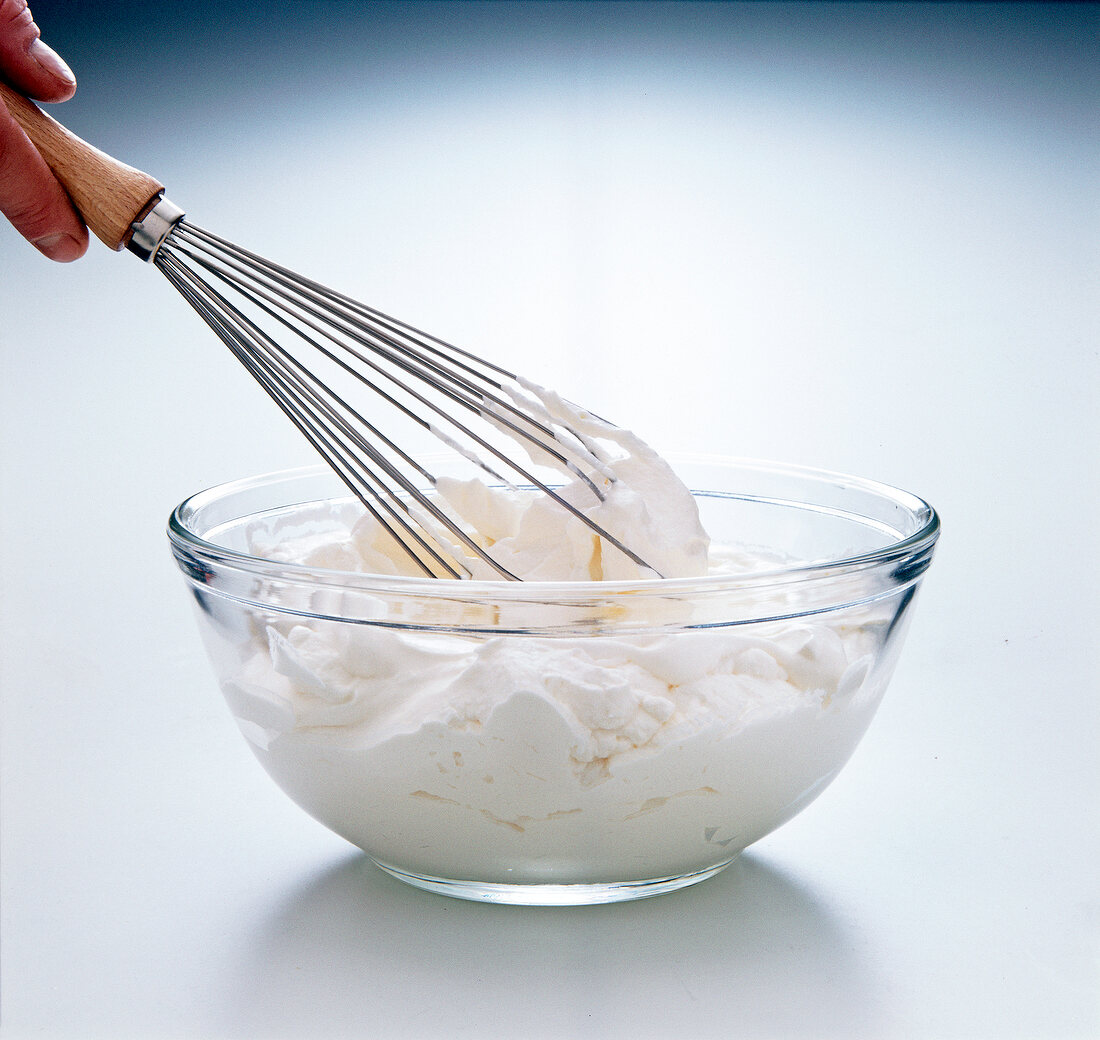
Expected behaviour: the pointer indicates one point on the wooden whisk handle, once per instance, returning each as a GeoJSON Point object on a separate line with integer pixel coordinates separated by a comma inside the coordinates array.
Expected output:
{"type": "Point", "coordinates": [109, 195]}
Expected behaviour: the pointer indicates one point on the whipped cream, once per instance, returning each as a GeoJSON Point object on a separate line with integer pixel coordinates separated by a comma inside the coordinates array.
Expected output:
{"type": "Point", "coordinates": [585, 757]}
{"type": "Point", "coordinates": [572, 759]}
{"type": "Point", "coordinates": [638, 499]}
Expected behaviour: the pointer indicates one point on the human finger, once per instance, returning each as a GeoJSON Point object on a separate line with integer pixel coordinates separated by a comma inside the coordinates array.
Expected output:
{"type": "Point", "coordinates": [26, 63]}
{"type": "Point", "coordinates": [33, 200]}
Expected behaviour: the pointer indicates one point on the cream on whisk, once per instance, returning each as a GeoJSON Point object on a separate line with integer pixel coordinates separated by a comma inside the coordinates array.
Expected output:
{"type": "Point", "coordinates": [644, 504]}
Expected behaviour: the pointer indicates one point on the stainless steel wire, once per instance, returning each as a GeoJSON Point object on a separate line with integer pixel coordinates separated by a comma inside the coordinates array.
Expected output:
{"type": "Point", "coordinates": [314, 351]}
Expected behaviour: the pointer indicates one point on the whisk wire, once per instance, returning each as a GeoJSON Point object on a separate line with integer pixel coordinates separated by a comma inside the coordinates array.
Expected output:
{"type": "Point", "coordinates": [408, 358]}
{"type": "Point", "coordinates": [289, 383]}
{"type": "Point", "coordinates": [375, 349]}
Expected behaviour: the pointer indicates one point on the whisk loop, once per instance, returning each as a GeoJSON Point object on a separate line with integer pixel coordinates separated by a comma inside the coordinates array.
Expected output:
{"type": "Point", "coordinates": [251, 304]}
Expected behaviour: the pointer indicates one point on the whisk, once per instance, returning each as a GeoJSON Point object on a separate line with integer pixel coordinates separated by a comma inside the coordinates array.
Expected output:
{"type": "Point", "coordinates": [322, 357]}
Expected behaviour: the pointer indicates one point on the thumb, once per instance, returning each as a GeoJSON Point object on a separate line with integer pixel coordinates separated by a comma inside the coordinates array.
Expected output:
{"type": "Point", "coordinates": [26, 62]}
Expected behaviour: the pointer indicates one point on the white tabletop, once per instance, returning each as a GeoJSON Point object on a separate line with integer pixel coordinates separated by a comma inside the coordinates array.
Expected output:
{"type": "Point", "coordinates": [862, 238]}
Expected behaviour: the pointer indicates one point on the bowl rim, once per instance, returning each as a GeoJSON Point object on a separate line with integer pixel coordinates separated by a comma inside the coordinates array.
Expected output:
{"type": "Point", "coordinates": [917, 544]}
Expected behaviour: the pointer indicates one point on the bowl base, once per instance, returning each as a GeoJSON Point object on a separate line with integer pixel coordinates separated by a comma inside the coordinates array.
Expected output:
{"type": "Point", "coordinates": [538, 894]}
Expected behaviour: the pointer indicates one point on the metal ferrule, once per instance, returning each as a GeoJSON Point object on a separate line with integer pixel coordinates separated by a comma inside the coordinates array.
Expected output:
{"type": "Point", "coordinates": [149, 233]}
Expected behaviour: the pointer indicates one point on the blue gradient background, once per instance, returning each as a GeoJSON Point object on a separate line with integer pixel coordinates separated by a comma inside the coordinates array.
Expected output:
{"type": "Point", "coordinates": [859, 236]}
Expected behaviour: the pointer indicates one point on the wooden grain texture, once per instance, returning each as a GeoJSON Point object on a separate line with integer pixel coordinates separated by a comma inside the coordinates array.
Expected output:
{"type": "Point", "coordinates": [109, 195]}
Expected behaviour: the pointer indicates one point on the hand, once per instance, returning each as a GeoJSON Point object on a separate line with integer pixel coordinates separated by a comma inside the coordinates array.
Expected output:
{"type": "Point", "coordinates": [30, 196]}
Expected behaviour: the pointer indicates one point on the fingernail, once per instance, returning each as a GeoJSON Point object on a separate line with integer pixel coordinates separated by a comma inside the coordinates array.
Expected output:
{"type": "Point", "coordinates": [62, 248]}
{"type": "Point", "coordinates": [51, 61]}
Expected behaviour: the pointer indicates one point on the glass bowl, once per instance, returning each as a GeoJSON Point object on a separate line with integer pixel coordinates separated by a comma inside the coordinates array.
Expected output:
{"type": "Point", "coordinates": [561, 743]}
